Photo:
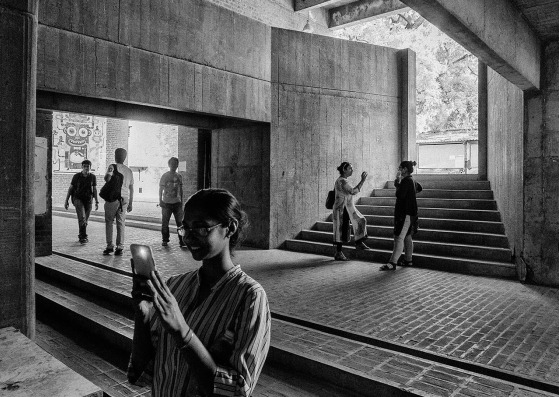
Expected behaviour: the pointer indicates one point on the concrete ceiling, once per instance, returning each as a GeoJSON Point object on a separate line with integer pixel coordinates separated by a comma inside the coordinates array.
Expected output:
{"type": "Point", "coordinates": [542, 15]}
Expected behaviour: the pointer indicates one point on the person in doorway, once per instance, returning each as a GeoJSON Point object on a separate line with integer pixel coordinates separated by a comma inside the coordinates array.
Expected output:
{"type": "Point", "coordinates": [82, 190]}
{"type": "Point", "coordinates": [205, 332]}
{"type": "Point", "coordinates": [405, 216]}
{"type": "Point", "coordinates": [170, 200]}
{"type": "Point", "coordinates": [345, 211]}
{"type": "Point", "coordinates": [116, 209]}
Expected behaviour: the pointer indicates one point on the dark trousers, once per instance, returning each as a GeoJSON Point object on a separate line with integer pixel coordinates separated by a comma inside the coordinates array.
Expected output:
{"type": "Point", "coordinates": [166, 211]}
{"type": "Point", "coordinates": [83, 209]}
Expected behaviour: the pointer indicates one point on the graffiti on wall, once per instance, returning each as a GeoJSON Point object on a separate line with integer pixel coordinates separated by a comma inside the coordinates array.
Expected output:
{"type": "Point", "coordinates": [77, 137]}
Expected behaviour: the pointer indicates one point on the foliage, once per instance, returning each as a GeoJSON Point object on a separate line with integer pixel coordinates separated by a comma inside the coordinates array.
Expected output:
{"type": "Point", "coordinates": [446, 73]}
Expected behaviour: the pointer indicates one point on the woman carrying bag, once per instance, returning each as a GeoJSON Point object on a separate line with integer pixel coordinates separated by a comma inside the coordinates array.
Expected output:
{"type": "Point", "coordinates": [344, 211]}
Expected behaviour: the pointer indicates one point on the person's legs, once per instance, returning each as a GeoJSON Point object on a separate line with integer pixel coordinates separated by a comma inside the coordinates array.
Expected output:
{"type": "Point", "coordinates": [120, 226]}
{"type": "Point", "coordinates": [110, 213]}
{"type": "Point", "coordinates": [399, 241]}
{"type": "Point", "coordinates": [359, 229]}
{"type": "Point", "coordinates": [408, 248]}
{"type": "Point", "coordinates": [178, 215]}
{"type": "Point", "coordinates": [81, 213]}
{"type": "Point", "coordinates": [87, 210]}
{"type": "Point", "coordinates": [166, 212]}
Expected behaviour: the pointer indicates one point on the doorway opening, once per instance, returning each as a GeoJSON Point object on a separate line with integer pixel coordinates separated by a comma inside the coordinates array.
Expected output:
{"type": "Point", "coordinates": [447, 90]}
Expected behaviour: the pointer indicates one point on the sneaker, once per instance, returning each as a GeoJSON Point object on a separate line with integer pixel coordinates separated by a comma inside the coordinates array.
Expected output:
{"type": "Point", "coordinates": [84, 240]}
{"type": "Point", "coordinates": [164, 244]}
{"type": "Point", "coordinates": [340, 257]}
{"type": "Point", "coordinates": [362, 246]}
{"type": "Point", "coordinates": [108, 250]}
{"type": "Point", "coordinates": [118, 251]}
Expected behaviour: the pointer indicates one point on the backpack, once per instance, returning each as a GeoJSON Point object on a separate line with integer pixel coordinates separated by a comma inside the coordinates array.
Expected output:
{"type": "Point", "coordinates": [84, 188]}
{"type": "Point", "coordinates": [111, 190]}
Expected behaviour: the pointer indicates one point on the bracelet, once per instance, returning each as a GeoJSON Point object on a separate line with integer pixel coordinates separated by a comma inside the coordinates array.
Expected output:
{"type": "Point", "coordinates": [188, 338]}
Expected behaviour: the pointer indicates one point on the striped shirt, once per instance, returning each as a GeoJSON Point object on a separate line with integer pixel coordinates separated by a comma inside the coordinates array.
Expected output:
{"type": "Point", "coordinates": [237, 305]}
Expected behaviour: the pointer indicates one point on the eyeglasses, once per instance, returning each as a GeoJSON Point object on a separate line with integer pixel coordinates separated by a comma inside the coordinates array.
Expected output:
{"type": "Point", "coordinates": [199, 231]}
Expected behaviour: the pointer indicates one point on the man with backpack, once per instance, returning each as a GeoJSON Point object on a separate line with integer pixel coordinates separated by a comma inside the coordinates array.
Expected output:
{"type": "Point", "coordinates": [118, 194]}
{"type": "Point", "coordinates": [83, 189]}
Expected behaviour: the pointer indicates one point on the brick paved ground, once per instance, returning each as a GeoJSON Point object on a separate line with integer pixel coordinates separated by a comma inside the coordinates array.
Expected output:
{"type": "Point", "coordinates": [273, 381]}
{"type": "Point", "coordinates": [500, 323]}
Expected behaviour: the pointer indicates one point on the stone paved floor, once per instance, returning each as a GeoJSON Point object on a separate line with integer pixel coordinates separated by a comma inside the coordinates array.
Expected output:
{"type": "Point", "coordinates": [273, 381]}
{"type": "Point", "coordinates": [500, 323]}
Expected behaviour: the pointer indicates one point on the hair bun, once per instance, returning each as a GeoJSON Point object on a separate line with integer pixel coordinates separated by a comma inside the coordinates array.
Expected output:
{"type": "Point", "coordinates": [414, 163]}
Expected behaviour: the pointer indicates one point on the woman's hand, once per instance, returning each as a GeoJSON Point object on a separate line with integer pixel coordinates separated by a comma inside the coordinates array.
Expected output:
{"type": "Point", "coordinates": [364, 176]}
{"type": "Point", "coordinates": [167, 307]}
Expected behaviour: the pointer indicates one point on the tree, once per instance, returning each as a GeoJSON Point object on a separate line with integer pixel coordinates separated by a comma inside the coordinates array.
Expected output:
{"type": "Point", "coordinates": [446, 73]}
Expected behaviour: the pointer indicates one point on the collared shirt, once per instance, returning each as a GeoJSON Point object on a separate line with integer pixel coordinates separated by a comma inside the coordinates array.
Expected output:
{"type": "Point", "coordinates": [236, 310]}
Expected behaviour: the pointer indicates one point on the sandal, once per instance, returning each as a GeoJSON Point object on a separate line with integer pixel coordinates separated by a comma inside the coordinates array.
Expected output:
{"type": "Point", "coordinates": [403, 262]}
{"type": "Point", "coordinates": [340, 257]}
{"type": "Point", "coordinates": [387, 266]}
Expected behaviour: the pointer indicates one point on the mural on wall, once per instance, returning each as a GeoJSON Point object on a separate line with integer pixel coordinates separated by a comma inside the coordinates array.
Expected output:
{"type": "Point", "coordinates": [77, 137]}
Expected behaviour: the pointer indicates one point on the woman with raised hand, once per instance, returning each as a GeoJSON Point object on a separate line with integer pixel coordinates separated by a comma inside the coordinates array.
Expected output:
{"type": "Point", "coordinates": [205, 332]}
{"type": "Point", "coordinates": [405, 215]}
{"type": "Point", "coordinates": [345, 211]}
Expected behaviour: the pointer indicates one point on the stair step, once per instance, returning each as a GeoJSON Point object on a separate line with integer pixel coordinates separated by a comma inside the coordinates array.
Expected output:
{"type": "Point", "coordinates": [441, 193]}
{"type": "Point", "coordinates": [106, 285]}
{"type": "Point", "coordinates": [442, 236]}
{"type": "Point", "coordinates": [111, 327]}
{"type": "Point", "coordinates": [132, 221]}
{"type": "Point", "coordinates": [55, 303]}
{"type": "Point", "coordinates": [445, 213]}
{"type": "Point", "coordinates": [434, 203]}
{"type": "Point", "coordinates": [436, 262]}
{"type": "Point", "coordinates": [436, 248]}
{"type": "Point", "coordinates": [448, 184]}
{"type": "Point", "coordinates": [461, 225]}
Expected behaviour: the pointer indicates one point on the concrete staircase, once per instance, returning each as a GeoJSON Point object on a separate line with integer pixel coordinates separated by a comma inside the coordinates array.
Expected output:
{"type": "Point", "coordinates": [460, 229]}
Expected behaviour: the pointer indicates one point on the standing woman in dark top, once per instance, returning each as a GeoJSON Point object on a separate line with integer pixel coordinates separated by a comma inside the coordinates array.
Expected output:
{"type": "Point", "coordinates": [405, 215]}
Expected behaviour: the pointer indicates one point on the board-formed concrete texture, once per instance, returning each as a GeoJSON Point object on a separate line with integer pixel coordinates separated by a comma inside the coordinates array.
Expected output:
{"type": "Point", "coordinates": [188, 55]}
{"type": "Point", "coordinates": [332, 100]}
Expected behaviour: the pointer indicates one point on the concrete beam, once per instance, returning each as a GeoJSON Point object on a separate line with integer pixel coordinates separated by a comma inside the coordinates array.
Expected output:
{"type": "Point", "coordinates": [303, 5]}
{"type": "Point", "coordinates": [119, 110]}
{"type": "Point", "coordinates": [363, 11]}
{"type": "Point", "coordinates": [494, 31]}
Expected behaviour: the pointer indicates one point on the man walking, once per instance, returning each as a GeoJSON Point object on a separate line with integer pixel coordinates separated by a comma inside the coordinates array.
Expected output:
{"type": "Point", "coordinates": [117, 207]}
{"type": "Point", "coordinates": [83, 189]}
{"type": "Point", "coordinates": [170, 200]}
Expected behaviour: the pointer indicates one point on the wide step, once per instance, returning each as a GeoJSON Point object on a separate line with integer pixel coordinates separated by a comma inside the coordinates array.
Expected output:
{"type": "Point", "coordinates": [459, 223]}
{"type": "Point", "coordinates": [436, 262]}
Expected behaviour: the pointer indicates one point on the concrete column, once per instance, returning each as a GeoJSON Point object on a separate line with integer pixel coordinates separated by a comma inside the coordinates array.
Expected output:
{"type": "Point", "coordinates": [408, 98]}
{"type": "Point", "coordinates": [482, 120]}
{"type": "Point", "coordinates": [541, 175]}
{"type": "Point", "coordinates": [18, 69]}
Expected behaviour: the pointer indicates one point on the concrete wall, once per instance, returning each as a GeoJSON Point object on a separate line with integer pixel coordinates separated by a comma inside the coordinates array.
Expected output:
{"type": "Point", "coordinates": [332, 101]}
{"type": "Point", "coordinates": [18, 39]}
{"type": "Point", "coordinates": [189, 55]}
{"type": "Point", "coordinates": [241, 164]}
{"type": "Point", "coordinates": [505, 124]}
{"type": "Point", "coordinates": [541, 168]}
{"type": "Point", "coordinates": [278, 13]}
{"type": "Point", "coordinates": [188, 158]}
{"type": "Point", "coordinates": [43, 220]}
